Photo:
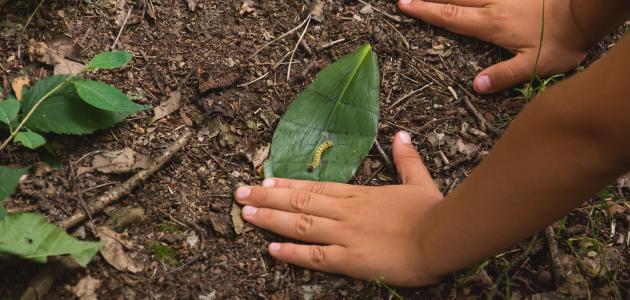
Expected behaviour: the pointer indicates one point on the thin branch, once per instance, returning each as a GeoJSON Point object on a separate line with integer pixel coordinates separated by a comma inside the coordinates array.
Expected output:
{"type": "Point", "coordinates": [308, 21]}
{"type": "Point", "coordinates": [278, 38]}
{"type": "Point", "coordinates": [122, 27]}
{"type": "Point", "coordinates": [125, 188]}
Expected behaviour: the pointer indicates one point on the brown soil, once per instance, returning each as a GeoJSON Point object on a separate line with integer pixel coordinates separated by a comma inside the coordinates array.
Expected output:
{"type": "Point", "coordinates": [191, 195]}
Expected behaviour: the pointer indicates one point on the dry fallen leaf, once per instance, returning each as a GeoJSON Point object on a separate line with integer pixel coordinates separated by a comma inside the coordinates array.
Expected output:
{"type": "Point", "coordinates": [18, 84]}
{"type": "Point", "coordinates": [247, 7]}
{"type": "Point", "coordinates": [168, 107]}
{"type": "Point", "coordinates": [192, 4]}
{"type": "Point", "coordinates": [624, 181]}
{"type": "Point", "coordinates": [114, 253]}
{"type": "Point", "coordinates": [86, 288]}
{"type": "Point", "coordinates": [56, 56]}
{"type": "Point", "coordinates": [119, 161]}
{"type": "Point", "coordinates": [260, 156]}
{"type": "Point", "coordinates": [237, 220]}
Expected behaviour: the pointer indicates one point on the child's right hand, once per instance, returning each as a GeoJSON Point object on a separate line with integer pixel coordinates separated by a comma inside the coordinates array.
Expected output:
{"type": "Point", "coordinates": [514, 25]}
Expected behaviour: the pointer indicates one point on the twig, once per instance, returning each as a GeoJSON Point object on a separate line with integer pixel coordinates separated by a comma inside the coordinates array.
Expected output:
{"type": "Point", "coordinates": [409, 95]}
{"type": "Point", "coordinates": [378, 171]}
{"type": "Point", "coordinates": [558, 271]}
{"type": "Point", "coordinates": [122, 27]}
{"type": "Point", "coordinates": [399, 34]}
{"type": "Point", "coordinates": [388, 161]}
{"type": "Point", "coordinates": [389, 16]}
{"type": "Point", "coordinates": [308, 21]}
{"type": "Point", "coordinates": [30, 18]}
{"type": "Point", "coordinates": [496, 131]}
{"type": "Point", "coordinates": [330, 44]}
{"type": "Point", "coordinates": [113, 195]}
{"type": "Point", "coordinates": [278, 38]}
{"type": "Point", "coordinates": [255, 80]}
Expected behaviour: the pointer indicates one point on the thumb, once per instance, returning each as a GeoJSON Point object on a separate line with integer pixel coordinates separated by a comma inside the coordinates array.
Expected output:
{"type": "Point", "coordinates": [410, 167]}
{"type": "Point", "coordinates": [504, 74]}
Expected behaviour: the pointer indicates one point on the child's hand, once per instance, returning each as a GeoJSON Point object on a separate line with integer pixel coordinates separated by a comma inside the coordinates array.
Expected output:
{"type": "Point", "coordinates": [514, 25]}
{"type": "Point", "coordinates": [363, 232]}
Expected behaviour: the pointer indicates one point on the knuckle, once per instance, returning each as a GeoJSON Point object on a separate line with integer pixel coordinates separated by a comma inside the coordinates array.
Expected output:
{"type": "Point", "coordinates": [449, 11]}
{"type": "Point", "coordinates": [300, 200]}
{"type": "Point", "coordinates": [318, 188]}
{"type": "Point", "coordinates": [303, 225]}
{"type": "Point", "coordinates": [317, 255]}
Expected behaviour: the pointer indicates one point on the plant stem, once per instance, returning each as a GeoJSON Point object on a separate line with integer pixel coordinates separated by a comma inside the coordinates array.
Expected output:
{"type": "Point", "coordinates": [540, 44]}
{"type": "Point", "coordinates": [30, 113]}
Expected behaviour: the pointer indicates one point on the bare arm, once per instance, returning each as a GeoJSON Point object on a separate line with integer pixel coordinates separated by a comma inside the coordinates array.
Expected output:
{"type": "Point", "coordinates": [563, 147]}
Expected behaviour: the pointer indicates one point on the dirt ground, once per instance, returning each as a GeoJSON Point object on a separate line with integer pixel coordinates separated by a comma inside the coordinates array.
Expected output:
{"type": "Point", "coordinates": [186, 242]}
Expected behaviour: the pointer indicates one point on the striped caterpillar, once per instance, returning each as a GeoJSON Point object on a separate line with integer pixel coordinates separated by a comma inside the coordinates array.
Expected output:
{"type": "Point", "coordinates": [317, 156]}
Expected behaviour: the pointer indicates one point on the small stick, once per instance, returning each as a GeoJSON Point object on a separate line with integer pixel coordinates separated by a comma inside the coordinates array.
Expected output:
{"type": "Point", "coordinates": [558, 272]}
{"type": "Point", "coordinates": [496, 131]}
{"type": "Point", "coordinates": [388, 161]}
{"type": "Point", "coordinates": [122, 27]}
{"type": "Point", "coordinates": [113, 195]}
{"type": "Point", "coordinates": [330, 44]}
{"type": "Point", "coordinates": [389, 16]}
{"type": "Point", "coordinates": [279, 38]}
{"type": "Point", "coordinates": [399, 34]}
{"type": "Point", "coordinates": [308, 21]}
{"type": "Point", "coordinates": [409, 95]}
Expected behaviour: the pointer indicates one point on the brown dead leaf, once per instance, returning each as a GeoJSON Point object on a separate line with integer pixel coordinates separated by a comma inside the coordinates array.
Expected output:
{"type": "Point", "coordinates": [168, 107]}
{"type": "Point", "coordinates": [615, 208]}
{"type": "Point", "coordinates": [237, 220]}
{"type": "Point", "coordinates": [18, 84]}
{"type": "Point", "coordinates": [247, 7]}
{"type": "Point", "coordinates": [114, 253]}
{"type": "Point", "coordinates": [466, 148]}
{"type": "Point", "coordinates": [86, 288]}
{"type": "Point", "coordinates": [56, 56]}
{"type": "Point", "coordinates": [260, 156]}
{"type": "Point", "coordinates": [120, 161]}
{"type": "Point", "coordinates": [624, 181]}
{"type": "Point", "coordinates": [192, 4]}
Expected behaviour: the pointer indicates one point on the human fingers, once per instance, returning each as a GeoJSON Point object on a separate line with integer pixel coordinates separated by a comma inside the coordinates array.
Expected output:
{"type": "Point", "coordinates": [410, 167]}
{"type": "Point", "coordinates": [289, 200]}
{"type": "Point", "coordinates": [464, 20]}
{"type": "Point", "coordinates": [332, 189]}
{"type": "Point", "coordinates": [302, 227]}
{"type": "Point", "coordinates": [323, 258]}
{"type": "Point", "coordinates": [505, 74]}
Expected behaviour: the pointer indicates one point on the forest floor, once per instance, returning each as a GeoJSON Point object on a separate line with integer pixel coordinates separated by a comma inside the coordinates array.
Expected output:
{"type": "Point", "coordinates": [185, 242]}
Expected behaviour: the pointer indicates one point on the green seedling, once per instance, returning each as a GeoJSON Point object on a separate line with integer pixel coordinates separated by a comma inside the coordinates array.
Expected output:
{"type": "Point", "coordinates": [164, 253]}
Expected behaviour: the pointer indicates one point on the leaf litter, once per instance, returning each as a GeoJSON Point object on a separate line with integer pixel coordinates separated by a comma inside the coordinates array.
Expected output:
{"type": "Point", "coordinates": [117, 162]}
{"type": "Point", "coordinates": [114, 251]}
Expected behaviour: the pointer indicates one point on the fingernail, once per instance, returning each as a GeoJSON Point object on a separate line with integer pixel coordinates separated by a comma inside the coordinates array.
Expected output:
{"type": "Point", "coordinates": [404, 138]}
{"type": "Point", "coordinates": [274, 247]}
{"type": "Point", "coordinates": [249, 211]}
{"type": "Point", "coordinates": [268, 182]}
{"type": "Point", "coordinates": [243, 192]}
{"type": "Point", "coordinates": [483, 83]}
{"type": "Point", "coordinates": [404, 1]}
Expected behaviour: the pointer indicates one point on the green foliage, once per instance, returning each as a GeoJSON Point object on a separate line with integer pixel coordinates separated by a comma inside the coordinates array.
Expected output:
{"type": "Point", "coordinates": [30, 236]}
{"type": "Point", "coordinates": [62, 105]}
{"type": "Point", "coordinates": [341, 105]}
{"type": "Point", "coordinates": [29, 139]}
{"type": "Point", "coordinates": [105, 97]}
{"type": "Point", "coordinates": [165, 253]}
{"type": "Point", "coordinates": [537, 85]}
{"type": "Point", "coordinates": [109, 60]}
{"type": "Point", "coordinates": [9, 179]}
{"type": "Point", "coordinates": [9, 109]}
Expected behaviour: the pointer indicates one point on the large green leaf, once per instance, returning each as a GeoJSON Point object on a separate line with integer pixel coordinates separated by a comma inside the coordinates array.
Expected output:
{"type": "Point", "coordinates": [109, 60]}
{"type": "Point", "coordinates": [9, 109]}
{"type": "Point", "coordinates": [9, 179]}
{"type": "Point", "coordinates": [64, 112]}
{"type": "Point", "coordinates": [341, 105]}
{"type": "Point", "coordinates": [105, 96]}
{"type": "Point", "coordinates": [30, 236]}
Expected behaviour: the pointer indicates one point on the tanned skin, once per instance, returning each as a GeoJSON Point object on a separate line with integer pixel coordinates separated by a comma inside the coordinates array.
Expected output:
{"type": "Point", "coordinates": [564, 146]}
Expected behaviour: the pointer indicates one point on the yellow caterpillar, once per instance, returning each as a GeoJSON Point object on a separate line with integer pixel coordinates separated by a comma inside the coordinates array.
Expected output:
{"type": "Point", "coordinates": [317, 156]}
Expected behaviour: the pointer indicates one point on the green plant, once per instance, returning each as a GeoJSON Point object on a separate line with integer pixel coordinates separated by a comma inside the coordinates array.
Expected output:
{"type": "Point", "coordinates": [537, 85]}
{"type": "Point", "coordinates": [380, 283]}
{"type": "Point", "coordinates": [341, 106]}
{"type": "Point", "coordinates": [62, 105]}
{"type": "Point", "coordinates": [67, 105]}
{"type": "Point", "coordinates": [165, 253]}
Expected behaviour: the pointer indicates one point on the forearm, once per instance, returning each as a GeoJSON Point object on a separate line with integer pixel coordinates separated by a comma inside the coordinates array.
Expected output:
{"type": "Point", "coordinates": [564, 146]}
{"type": "Point", "coordinates": [596, 19]}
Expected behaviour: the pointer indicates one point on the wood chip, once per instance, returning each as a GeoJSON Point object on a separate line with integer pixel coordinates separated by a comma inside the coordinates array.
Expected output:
{"type": "Point", "coordinates": [237, 220]}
